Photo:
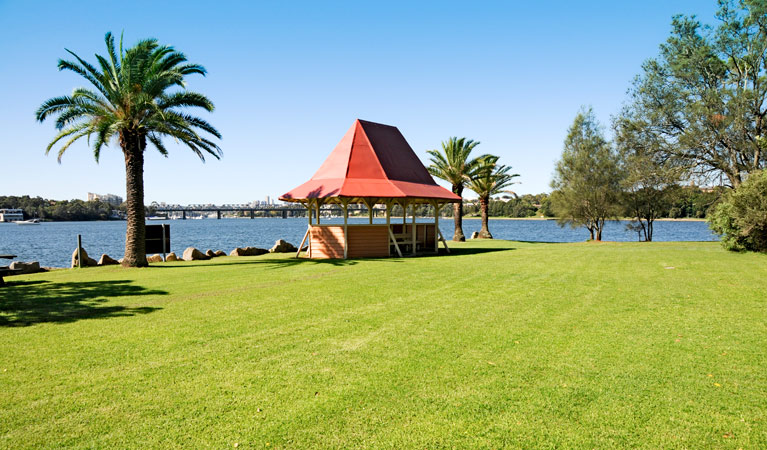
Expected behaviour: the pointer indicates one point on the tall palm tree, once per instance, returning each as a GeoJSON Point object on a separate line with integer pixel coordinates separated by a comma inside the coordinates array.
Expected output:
{"type": "Point", "coordinates": [134, 101]}
{"type": "Point", "coordinates": [454, 166]}
{"type": "Point", "coordinates": [490, 179]}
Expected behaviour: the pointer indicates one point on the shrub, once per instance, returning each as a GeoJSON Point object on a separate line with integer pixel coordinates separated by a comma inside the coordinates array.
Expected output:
{"type": "Point", "coordinates": [741, 218]}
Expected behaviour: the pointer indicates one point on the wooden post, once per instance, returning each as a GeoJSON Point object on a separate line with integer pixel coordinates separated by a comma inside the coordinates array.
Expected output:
{"type": "Point", "coordinates": [346, 227]}
{"type": "Point", "coordinates": [79, 251]}
{"type": "Point", "coordinates": [301, 245]}
{"type": "Point", "coordinates": [442, 238]}
{"type": "Point", "coordinates": [394, 241]}
{"type": "Point", "coordinates": [163, 242]}
{"type": "Point", "coordinates": [414, 228]}
{"type": "Point", "coordinates": [388, 204]}
{"type": "Point", "coordinates": [318, 212]}
{"type": "Point", "coordinates": [436, 226]}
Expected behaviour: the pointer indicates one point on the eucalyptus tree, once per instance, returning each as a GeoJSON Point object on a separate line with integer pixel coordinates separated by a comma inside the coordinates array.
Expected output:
{"type": "Point", "coordinates": [587, 179]}
{"type": "Point", "coordinates": [490, 179]}
{"type": "Point", "coordinates": [705, 95]}
{"type": "Point", "coordinates": [137, 96]}
{"type": "Point", "coordinates": [455, 165]}
{"type": "Point", "coordinates": [649, 183]}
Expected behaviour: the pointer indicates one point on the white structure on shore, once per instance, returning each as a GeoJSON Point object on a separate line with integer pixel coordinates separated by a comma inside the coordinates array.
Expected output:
{"type": "Point", "coordinates": [11, 215]}
{"type": "Point", "coordinates": [112, 199]}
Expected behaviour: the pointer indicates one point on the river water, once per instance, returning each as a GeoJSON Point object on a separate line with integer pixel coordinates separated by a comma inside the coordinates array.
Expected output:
{"type": "Point", "coordinates": [52, 243]}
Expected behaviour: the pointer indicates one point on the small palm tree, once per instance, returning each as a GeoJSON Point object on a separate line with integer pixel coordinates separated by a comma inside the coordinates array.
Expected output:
{"type": "Point", "coordinates": [454, 166]}
{"type": "Point", "coordinates": [490, 179]}
{"type": "Point", "coordinates": [133, 102]}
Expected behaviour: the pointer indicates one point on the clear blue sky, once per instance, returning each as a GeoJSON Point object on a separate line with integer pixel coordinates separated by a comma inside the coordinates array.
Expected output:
{"type": "Point", "coordinates": [289, 78]}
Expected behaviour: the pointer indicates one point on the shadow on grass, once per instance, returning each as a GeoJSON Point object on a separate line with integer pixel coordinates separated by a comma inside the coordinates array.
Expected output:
{"type": "Point", "coordinates": [24, 303]}
{"type": "Point", "coordinates": [460, 251]}
{"type": "Point", "coordinates": [280, 263]}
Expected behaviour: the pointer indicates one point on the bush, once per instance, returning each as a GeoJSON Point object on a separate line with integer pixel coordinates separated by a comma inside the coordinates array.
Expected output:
{"type": "Point", "coordinates": [741, 219]}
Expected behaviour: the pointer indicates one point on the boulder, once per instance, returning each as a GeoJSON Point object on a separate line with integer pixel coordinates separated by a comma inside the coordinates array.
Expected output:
{"type": "Point", "coordinates": [282, 246]}
{"type": "Point", "coordinates": [192, 254]}
{"type": "Point", "coordinates": [171, 257]}
{"type": "Point", "coordinates": [248, 251]}
{"type": "Point", "coordinates": [210, 253]}
{"type": "Point", "coordinates": [25, 267]}
{"type": "Point", "coordinates": [220, 253]}
{"type": "Point", "coordinates": [87, 261]}
{"type": "Point", "coordinates": [154, 258]}
{"type": "Point", "coordinates": [105, 260]}
{"type": "Point", "coordinates": [475, 235]}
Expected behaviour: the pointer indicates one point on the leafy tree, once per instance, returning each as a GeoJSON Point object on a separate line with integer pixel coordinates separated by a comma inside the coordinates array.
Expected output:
{"type": "Point", "coordinates": [705, 96]}
{"type": "Point", "coordinates": [454, 165]}
{"type": "Point", "coordinates": [134, 101]}
{"type": "Point", "coordinates": [587, 179]}
{"type": "Point", "coordinates": [741, 219]}
{"type": "Point", "coordinates": [648, 183]}
{"type": "Point", "coordinates": [490, 179]}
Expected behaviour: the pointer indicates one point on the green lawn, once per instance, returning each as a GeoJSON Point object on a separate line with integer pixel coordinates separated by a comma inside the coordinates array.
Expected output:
{"type": "Point", "coordinates": [501, 344]}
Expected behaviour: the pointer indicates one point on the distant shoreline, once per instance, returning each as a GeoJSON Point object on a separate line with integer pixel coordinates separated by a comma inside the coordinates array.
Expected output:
{"type": "Point", "coordinates": [685, 219]}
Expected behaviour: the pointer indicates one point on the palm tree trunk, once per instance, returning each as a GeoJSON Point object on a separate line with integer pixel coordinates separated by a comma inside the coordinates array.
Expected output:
{"type": "Point", "coordinates": [135, 235]}
{"type": "Point", "coordinates": [458, 215]}
{"type": "Point", "coordinates": [484, 204]}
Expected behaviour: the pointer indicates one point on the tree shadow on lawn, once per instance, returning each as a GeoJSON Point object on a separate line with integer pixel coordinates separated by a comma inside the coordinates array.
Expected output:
{"type": "Point", "coordinates": [460, 251]}
{"type": "Point", "coordinates": [290, 262]}
{"type": "Point", "coordinates": [278, 263]}
{"type": "Point", "coordinates": [24, 303]}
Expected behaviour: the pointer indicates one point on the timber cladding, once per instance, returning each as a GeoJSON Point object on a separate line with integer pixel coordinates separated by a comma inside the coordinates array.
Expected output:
{"type": "Point", "coordinates": [365, 241]}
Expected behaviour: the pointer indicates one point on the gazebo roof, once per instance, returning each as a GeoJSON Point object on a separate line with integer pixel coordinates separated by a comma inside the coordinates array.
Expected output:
{"type": "Point", "coordinates": [371, 161]}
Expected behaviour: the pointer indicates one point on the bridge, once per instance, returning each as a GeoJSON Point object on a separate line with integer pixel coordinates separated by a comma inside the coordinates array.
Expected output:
{"type": "Point", "coordinates": [284, 211]}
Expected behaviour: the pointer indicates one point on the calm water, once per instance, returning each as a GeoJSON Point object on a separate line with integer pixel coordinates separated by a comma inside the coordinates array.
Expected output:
{"type": "Point", "coordinates": [52, 243]}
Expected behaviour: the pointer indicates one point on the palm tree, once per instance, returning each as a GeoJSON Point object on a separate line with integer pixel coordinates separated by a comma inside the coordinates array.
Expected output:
{"type": "Point", "coordinates": [133, 102]}
{"type": "Point", "coordinates": [454, 166]}
{"type": "Point", "coordinates": [490, 179]}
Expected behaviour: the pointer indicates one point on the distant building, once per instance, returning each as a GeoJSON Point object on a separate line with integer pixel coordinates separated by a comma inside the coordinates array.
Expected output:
{"type": "Point", "coordinates": [112, 199]}
{"type": "Point", "coordinates": [11, 215]}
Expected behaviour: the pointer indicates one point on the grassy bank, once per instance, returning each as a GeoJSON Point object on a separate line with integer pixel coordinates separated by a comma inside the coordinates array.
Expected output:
{"type": "Point", "coordinates": [656, 345]}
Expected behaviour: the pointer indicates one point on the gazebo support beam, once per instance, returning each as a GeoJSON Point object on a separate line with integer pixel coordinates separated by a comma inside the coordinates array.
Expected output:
{"type": "Point", "coordinates": [345, 203]}
{"type": "Point", "coordinates": [435, 204]}
{"type": "Point", "coordinates": [414, 228]}
{"type": "Point", "coordinates": [301, 245]}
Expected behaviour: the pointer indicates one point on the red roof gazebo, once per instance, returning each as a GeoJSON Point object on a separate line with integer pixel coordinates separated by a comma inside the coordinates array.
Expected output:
{"type": "Point", "coordinates": [373, 164]}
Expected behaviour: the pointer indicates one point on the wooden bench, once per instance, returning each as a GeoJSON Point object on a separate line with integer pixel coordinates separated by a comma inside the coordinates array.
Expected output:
{"type": "Point", "coordinates": [5, 271]}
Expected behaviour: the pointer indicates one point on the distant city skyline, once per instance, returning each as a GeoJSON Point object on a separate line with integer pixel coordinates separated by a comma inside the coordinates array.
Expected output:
{"type": "Point", "coordinates": [288, 79]}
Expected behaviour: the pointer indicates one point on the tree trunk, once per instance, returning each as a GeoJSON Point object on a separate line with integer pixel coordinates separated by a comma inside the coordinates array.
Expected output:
{"type": "Point", "coordinates": [133, 146]}
{"type": "Point", "coordinates": [458, 214]}
{"type": "Point", "coordinates": [484, 204]}
{"type": "Point", "coordinates": [648, 234]}
{"type": "Point", "coordinates": [599, 226]}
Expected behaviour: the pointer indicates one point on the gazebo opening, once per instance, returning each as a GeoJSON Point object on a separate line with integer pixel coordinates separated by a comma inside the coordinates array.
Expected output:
{"type": "Point", "coordinates": [372, 165]}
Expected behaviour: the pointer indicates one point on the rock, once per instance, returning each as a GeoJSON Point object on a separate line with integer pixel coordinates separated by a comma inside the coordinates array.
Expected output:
{"type": "Point", "coordinates": [220, 253]}
{"type": "Point", "coordinates": [192, 254]}
{"type": "Point", "coordinates": [474, 235]}
{"type": "Point", "coordinates": [171, 257]}
{"type": "Point", "coordinates": [282, 246]}
{"type": "Point", "coordinates": [210, 253]}
{"type": "Point", "coordinates": [87, 261]}
{"type": "Point", "coordinates": [154, 258]}
{"type": "Point", "coordinates": [25, 267]}
{"type": "Point", "coordinates": [248, 251]}
{"type": "Point", "coordinates": [105, 260]}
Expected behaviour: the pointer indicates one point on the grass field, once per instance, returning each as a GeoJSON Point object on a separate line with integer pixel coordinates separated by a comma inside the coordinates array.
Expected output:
{"type": "Point", "coordinates": [501, 344]}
